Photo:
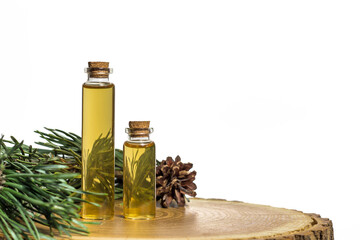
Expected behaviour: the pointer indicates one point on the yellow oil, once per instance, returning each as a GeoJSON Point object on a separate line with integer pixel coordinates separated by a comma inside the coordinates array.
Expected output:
{"type": "Point", "coordinates": [139, 180]}
{"type": "Point", "coordinates": [98, 159]}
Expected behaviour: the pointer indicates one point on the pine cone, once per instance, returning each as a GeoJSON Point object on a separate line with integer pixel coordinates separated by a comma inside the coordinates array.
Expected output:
{"type": "Point", "coordinates": [173, 181]}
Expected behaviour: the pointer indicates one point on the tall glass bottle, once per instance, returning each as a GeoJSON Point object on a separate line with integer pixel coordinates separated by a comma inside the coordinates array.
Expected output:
{"type": "Point", "coordinates": [139, 172]}
{"type": "Point", "coordinates": [98, 156]}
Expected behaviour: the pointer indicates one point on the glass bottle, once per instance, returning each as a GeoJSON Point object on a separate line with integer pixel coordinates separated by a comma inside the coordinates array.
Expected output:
{"type": "Point", "coordinates": [98, 156]}
{"type": "Point", "coordinates": [139, 200]}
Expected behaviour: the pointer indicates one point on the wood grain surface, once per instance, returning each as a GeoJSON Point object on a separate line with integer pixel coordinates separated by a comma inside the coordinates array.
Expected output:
{"type": "Point", "coordinates": [216, 219]}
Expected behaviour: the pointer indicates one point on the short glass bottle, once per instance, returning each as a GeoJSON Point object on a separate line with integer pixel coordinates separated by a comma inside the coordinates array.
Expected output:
{"type": "Point", "coordinates": [139, 181]}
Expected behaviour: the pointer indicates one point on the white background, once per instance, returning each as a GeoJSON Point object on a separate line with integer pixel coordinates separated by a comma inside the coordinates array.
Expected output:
{"type": "Point", "coordinates": [262, 96]}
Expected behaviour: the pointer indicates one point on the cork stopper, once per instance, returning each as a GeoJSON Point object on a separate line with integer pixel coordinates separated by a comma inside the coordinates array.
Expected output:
{"type": "Point", "coordinates": [98, 64]}
{"type": "Point", "coordinates": [98, 69]}
{"type": "Point", "coordinates": [139, 128]}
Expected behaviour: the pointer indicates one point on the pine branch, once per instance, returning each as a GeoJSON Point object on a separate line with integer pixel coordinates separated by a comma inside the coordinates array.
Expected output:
{"type": "Point", "coordinates": [34, 189]}
{"type": "Point", "coordinates": [67, 146]}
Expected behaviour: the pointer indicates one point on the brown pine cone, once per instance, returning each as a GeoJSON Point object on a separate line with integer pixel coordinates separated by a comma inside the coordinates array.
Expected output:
{"type": "Point", "coordinates": [173, 181]}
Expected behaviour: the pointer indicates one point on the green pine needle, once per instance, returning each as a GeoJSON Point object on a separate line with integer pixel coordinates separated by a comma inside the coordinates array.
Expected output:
{"type": "Point", "coordinates": [67, 146]}
{"type": "Point", "coordinates": [34, 190]}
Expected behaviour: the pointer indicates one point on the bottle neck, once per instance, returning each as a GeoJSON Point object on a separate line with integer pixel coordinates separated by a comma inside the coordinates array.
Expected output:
{"type": "Point", "coordinates": [139, 135]}
{"type": "Point", "coordinates": [97, 79]}
{"type": "Point", "coordinates": [139, 139]}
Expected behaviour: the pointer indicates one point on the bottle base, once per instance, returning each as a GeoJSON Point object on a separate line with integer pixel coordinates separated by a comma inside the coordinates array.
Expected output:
{"type": "Point", "coordinates": [147, 217]}
{"type": "Point", "coordinates": [93, 217]}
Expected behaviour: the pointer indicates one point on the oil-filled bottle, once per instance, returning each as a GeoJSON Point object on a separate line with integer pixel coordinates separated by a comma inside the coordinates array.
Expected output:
{"type": "Point", "coordinates": [98, 156]}
{"type": "Point", "coordinates": [139, 172]}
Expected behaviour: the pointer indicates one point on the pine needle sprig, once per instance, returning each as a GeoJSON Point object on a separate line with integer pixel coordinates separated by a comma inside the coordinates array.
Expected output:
{"type": "Point", "coordinates": [67, 145]}
{"type": "Point", "coordinates": [34, 190]}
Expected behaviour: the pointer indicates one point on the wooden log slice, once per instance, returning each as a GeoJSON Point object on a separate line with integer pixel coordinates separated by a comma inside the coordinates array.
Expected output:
{"type": "Point", "coordinates": [217, 219]}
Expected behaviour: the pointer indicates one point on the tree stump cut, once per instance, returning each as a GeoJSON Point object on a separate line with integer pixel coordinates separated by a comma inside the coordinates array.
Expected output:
{"type": "Point", "coordinates": [216, 219]}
